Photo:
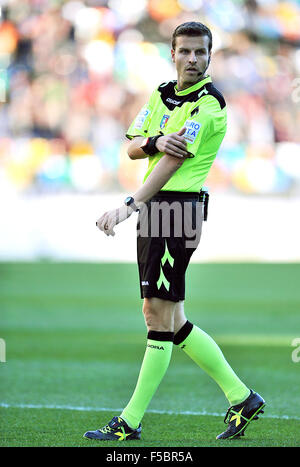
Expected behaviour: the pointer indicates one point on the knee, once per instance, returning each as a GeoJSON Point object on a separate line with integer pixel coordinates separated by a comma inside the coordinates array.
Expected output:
{"type": "Point", "coordinates": [158, 316]}
{"type": "Point", "coordinates": [151, 315]}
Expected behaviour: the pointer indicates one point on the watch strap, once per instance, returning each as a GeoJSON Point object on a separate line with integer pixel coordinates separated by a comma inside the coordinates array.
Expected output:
{"type": "Point", "coordinates": [149, 147]}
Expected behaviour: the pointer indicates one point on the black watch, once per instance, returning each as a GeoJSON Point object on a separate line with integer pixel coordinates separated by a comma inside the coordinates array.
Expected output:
{"type": "Point", "coordinates": [144, 143]}
{"type": "Point", "coordinates": [149, 145]}
{"type": "Point", "coordinates": [129, 201]}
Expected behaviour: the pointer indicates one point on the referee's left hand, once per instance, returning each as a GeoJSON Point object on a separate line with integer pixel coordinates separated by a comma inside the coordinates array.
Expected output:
{"type": "Point", "coordinates": [173, 144]}
{"type": "Point", "coordinates": [110, 219]}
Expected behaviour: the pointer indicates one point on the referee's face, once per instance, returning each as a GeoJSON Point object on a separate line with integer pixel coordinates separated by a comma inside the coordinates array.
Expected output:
{"type": "Point", "coordinates": [191, 57]}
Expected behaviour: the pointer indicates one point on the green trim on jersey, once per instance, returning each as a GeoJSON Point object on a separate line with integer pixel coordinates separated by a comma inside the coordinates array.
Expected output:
{"type": "Point", "coordinates": [201, 109]}
{"type": "Point", "coordinates": [193, 88]}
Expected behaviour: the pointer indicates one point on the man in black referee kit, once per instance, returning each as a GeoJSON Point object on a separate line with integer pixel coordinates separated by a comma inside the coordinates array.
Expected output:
{"type": "Point", "coordinates": [179, 130]}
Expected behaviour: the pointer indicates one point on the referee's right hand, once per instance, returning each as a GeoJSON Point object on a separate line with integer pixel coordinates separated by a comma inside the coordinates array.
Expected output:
{"type": "Point", "coordinates": [173, 144]}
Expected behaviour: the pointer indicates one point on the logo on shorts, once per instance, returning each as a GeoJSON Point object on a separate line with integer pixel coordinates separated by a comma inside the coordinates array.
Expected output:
{"type": "Point", "coordinates": [145, 283]}
{"type": "Point", "coordinates": [162, 279]}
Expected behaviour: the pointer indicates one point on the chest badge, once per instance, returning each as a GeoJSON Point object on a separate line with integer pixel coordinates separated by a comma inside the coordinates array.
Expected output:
{"type": "Point", "coordinates": [164, 121]}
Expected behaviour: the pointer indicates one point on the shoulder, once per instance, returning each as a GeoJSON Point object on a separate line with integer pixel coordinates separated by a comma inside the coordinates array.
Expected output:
{"type": "Point", "coordinates": [167, 85]}
{"type": "Point", "coordinates": [162, 91]}
{"type": "Point", "coordinates": [210, 103]}
{"type": "Point", "coordinates": [165, 93]}
{"type": "Point", "coordinates": [211, 96]}
{"type": "Point", "coordinates": [167, 89]}
{"type": "Point", "coordinates": [216, 94]}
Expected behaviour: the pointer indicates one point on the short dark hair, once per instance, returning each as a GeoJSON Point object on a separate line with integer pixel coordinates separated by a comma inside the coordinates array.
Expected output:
{"type": "Point", "coordinates": [192, 28]}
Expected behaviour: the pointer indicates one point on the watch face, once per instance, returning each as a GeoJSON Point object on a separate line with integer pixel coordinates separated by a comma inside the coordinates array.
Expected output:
{"type": "Point", "coordinates": [128, 200]}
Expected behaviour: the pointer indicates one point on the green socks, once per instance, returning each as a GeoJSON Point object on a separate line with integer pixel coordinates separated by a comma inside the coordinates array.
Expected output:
{"type": "Point", "coordinates": [155, 364]}
{"type": "Point", "coordinates": [201, 348]}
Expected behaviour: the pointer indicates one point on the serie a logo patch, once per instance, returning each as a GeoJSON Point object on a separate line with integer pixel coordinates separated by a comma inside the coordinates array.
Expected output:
{"type": "Point", "coordinates": [192, 130]}
{"type": "Point", "coordinates": [141, 118]}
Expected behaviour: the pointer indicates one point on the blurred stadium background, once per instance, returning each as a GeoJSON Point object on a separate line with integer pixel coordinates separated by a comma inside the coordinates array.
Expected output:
{"type": "Point", "coordinates": [74, 74]}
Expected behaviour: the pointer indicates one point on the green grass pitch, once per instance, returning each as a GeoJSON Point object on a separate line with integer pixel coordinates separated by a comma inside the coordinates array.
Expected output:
{"type": "Point", "coordinates": [75, 339]}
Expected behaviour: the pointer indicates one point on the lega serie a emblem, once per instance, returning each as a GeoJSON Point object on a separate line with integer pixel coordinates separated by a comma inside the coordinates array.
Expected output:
{"type": "Point", "coordinates": [162, 279]}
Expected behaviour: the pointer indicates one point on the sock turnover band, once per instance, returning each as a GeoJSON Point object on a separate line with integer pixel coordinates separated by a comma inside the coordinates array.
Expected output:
{"type": "Point", "coordinates": [182, 334]}
{"type": "Point", "coordinates": [161, 336]}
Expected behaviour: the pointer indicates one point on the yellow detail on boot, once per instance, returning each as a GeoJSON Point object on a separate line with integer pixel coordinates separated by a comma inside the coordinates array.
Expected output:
{"type": "Point", "coordinates": [237, 417]}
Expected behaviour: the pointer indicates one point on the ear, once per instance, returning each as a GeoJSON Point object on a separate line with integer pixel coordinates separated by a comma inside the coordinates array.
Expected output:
{"type": "Point", "coordinates": [173, 55]}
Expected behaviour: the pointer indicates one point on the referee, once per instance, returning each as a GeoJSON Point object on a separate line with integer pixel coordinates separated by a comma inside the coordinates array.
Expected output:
{"type": "Point", "coordinates": [179, 130]}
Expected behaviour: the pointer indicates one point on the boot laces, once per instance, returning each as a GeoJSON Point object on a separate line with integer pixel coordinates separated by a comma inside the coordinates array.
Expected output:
{"type": "Point", "coordinates": [106, 429]}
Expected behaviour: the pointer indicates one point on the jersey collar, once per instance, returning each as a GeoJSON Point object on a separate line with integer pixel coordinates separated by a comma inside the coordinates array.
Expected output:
{"type": "Point", "coordinates": [193, 88]}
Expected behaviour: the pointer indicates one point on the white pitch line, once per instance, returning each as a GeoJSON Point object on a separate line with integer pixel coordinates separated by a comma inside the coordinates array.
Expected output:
{"type": "Point", "coordinates": [117, 410]}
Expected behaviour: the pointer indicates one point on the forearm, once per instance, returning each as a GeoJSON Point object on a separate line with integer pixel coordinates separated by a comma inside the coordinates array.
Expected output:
{"type": "Point", "coordinates": [134, 150]}
{"type": "Point", "coordinates": [160, 175]}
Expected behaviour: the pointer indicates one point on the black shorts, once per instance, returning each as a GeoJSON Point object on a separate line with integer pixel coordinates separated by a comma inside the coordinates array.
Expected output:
{"type": "Point", "coordinates": [168, 232]}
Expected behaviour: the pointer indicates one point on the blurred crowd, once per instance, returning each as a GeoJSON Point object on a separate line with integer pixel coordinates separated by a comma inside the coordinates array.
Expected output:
{"type": "Point", "coordinates": [73, 75]}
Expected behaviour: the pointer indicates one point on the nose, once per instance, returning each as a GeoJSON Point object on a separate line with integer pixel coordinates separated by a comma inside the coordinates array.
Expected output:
{"type": "Point", "coordinates": [192, 57]}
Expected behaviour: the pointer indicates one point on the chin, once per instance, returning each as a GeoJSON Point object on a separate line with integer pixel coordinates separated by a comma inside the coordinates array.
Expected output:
{"type": "Point", "coordinates": [190, 82]}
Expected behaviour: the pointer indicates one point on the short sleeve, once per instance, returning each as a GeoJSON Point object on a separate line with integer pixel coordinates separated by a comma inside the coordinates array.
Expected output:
{"type": "Point", "coordinates": [200, 125]}
{"type": "Point", "coordinates": [140, 125]}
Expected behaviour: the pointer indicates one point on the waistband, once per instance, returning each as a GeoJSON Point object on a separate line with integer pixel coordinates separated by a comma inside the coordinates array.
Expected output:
{"type": "Point", "coordinates": [202, 196]}
{"type": "Point", "coordinates": [199, 196]}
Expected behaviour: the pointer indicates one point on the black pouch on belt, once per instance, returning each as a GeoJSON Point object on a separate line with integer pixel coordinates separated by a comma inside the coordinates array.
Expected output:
{"type": "Point", "coordinates": [204, 197]}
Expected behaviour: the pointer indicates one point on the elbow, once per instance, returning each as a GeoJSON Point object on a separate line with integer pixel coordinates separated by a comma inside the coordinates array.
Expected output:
{"type": "Point", "coordinates": [130, 153]}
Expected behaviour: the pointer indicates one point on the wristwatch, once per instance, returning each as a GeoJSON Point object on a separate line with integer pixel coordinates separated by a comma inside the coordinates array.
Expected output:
{"type": "Point", "coordinates": [129, 201]}
{"type": "Point", "coordinates": [149, 145]}
{"type": "Point", "coordinates": [144, 143]}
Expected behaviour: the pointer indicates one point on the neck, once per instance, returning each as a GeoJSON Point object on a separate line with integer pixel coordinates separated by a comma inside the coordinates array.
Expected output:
{"type": "Point", "coordinates": [186, 84]}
